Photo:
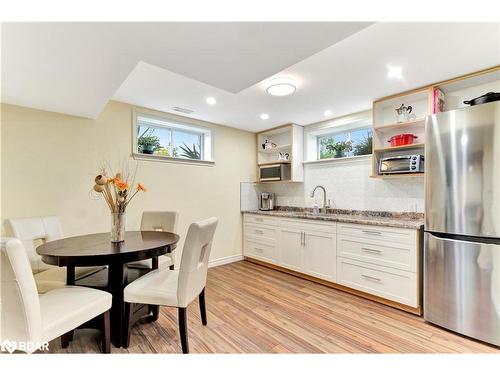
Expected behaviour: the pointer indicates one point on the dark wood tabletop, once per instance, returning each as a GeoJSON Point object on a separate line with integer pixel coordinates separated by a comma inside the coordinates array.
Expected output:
{"type": "Point", "coordinates": [98, 250]}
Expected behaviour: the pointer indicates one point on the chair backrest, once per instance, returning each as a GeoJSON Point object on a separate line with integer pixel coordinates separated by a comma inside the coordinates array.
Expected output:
{"type": "Point", "coordinates": [21, 319]}
{"type": "Point", "coordinates": [194, 261]}
{"type": "Point", "coordinates": [164, 221]}
{"type": "Point", "coordinates": [34, 231]}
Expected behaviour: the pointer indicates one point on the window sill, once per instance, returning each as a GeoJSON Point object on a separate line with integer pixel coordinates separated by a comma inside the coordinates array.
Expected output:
{"type": "Point", "coordinates": [348, 159]}
{"type": "Point", "coordinates": [167, 159]}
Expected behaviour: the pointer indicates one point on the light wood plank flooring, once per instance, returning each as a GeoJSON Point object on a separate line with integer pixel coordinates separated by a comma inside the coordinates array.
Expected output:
{"type": "Point", "coordinates": [254, 309]}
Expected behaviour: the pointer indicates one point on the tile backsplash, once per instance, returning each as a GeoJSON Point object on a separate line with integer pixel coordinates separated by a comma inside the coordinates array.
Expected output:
{"type": "Point", "coordinates": [349, 186]}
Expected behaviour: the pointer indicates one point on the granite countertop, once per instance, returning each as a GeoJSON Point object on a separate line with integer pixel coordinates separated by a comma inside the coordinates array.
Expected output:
{"type": "Point", "coordinates": [391, 219]}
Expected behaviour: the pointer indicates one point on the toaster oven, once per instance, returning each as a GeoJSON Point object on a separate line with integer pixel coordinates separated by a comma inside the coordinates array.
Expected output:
{"type": "Point", "coordinates": [401, 164]}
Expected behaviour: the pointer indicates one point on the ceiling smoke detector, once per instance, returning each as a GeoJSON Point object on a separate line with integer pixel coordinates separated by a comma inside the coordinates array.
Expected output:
{"type": "Point", "coordinates": [281, 87]}
{"type": "Point", "coordinates": [183, 110]}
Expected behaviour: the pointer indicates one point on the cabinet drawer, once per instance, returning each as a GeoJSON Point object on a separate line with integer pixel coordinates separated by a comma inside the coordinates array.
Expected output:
{"type": "Point", "coordinates": [310, 225]}
{"type": "Point", "coordinates": [262, 233]}
{"type": "Point", "coordinates": [266, 252]}
{"type": "Point", "coordinates": [400, 235]}
{"type": "Point", "coordinates": [390, 254]}
{"type": "Point", "coordinates": [394, 285]}
{"type": "Point", "coordinates": [261, 219]}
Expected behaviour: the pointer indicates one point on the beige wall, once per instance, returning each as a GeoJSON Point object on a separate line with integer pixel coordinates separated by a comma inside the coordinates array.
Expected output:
{"type": "Point", "coordinates": [49, 162]}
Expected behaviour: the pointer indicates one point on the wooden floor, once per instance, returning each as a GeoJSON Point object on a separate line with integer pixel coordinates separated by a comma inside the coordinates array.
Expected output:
{"type": "Point", "coordinates": [253, 309]}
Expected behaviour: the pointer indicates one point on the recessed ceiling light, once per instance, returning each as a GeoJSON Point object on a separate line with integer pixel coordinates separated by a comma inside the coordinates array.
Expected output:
{"type": "Point", "coordinates": [394, 72]}
{"type": "Point", "coordinates": [328, 113]}
{"type": "Point", "coordinates": [281, 87]}
{"type": "Point", "coordinates": [211, 100]}
{"type": "Point", "coordinates": [264, 116]}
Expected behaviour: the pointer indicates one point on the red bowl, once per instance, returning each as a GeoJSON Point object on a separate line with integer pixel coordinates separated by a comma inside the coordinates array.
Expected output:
{"type": "Point", "coordinates": [402, 139]}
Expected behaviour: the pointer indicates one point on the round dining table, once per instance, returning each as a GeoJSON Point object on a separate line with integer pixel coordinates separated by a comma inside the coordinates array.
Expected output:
{"type": "Point", "coordinates": [98, 250]}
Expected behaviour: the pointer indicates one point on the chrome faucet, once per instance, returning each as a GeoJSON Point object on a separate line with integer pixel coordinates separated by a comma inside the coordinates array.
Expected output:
{"type": "Point", "coordinates": [326, 204]}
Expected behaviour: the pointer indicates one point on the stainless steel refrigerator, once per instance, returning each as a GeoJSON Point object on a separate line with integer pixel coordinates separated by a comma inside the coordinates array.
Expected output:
{"type": "Point", "coordinates": [462, 221]}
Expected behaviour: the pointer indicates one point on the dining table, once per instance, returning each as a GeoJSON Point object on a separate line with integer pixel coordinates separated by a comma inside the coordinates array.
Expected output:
{"type": "Point", "coordinates": [97, 250]}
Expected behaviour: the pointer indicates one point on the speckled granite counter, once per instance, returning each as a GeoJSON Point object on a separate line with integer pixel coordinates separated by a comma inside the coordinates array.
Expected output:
{"type": "Point", "coordinates": [389, 219]}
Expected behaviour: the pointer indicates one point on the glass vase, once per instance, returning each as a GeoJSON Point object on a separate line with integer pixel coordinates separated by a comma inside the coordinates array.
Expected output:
{"type": "Point", "coordinates": [117, 226]}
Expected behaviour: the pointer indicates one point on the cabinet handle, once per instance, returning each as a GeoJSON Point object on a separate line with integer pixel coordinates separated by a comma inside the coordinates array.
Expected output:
{"type": "Point", "coordinates": [372, 232]}
{"type": "Point", "coordinates": [258, 249]}
{"type": "Point", "coordinates": [371, 278]}
{"type": "Point", "coordinates": [258, 231]}
{"type": "Point", "coordinates": [304, 238]}
{"type": "Point", "coordinates": [368, 250]}
{"type": "Point", "coordinates": [259, 219]}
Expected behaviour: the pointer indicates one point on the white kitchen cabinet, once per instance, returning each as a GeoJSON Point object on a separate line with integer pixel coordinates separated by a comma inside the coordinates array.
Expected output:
{"type": "Point", "coordinates": [319, 255]}
{"type": "Point", "coordinates": [380, 261]}
{"type": "Point", "coordinates": [389, 283]}
{"type": "Point", "coordinates": [290, 248]}
{"type": "Point", "coordinates": [260, 251]}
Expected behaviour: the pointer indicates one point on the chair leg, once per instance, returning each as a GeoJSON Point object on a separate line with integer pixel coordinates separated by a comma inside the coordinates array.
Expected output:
{"type": "Point", "coordinates": [105, 333]}
{"type": "Point", "coordinates": [183, 329]}
{"type": "Point", "coordinates": [155, 312]}
{"type": "Point", "coordinates": [127, 323]}
{"type": "Point", "coordinates": [66, 338]}
{"type": "Point", "coordinates": [203, 310]}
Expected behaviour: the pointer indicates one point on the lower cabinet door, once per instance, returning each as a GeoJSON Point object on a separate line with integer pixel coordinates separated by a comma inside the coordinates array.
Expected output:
{"type": "Point", "coordinates": [259, 250]}
{"type": "Point", "coordinates": [390, 283]}
{"type": "Point", "coordinates": [319, 255]}
{"type": "Point", "coordinates": [290, 254]}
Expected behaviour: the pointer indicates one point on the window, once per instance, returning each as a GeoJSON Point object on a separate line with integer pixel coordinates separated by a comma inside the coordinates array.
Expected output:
{"type": "Point", "coordinates": [345, 144]}
{"type": "Point", "coordinates": [159, 138]}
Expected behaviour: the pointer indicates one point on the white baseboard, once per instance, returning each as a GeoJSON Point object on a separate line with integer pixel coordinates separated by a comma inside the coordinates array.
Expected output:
{"type": "Point", "coordinates": [225, 260]}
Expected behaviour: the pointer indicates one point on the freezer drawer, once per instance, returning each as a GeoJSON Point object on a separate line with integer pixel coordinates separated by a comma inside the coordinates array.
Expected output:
{"type": "Point", "coordinates": [462, 287]}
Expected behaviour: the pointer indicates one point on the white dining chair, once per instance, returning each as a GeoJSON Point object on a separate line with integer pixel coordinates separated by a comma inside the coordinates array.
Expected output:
{"type": "Point", "coordinates": [177, 288]}
{"type": "Point", "coordinates": [31, 318]}
{"type": "Point", "coordinates": [163, 221]}
{"type": "Point", "coordinates": [34, 231]}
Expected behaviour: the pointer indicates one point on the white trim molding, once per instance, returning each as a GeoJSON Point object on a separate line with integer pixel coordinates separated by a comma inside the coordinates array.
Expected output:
{"type": "Point", "coordinates": [349, 159]}
{"type": "Point", "coordinates": [225, 260]}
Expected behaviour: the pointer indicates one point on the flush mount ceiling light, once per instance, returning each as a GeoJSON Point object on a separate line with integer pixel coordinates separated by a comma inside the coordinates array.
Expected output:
{"type": "Point", "coordinates": [264, 116]}
{"type": "Point", "coordinates": [281, 87]}
{"type": "Point", "coordinates": [395, 72]}
{"type": "Point", "coordinates": [211, 100]}
{"type": "Point", "coordinates": [328, 113]}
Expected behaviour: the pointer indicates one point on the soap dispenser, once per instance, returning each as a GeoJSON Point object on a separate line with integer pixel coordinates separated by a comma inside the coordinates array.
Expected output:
{"type": "Point", "coordinates": [315, 208]}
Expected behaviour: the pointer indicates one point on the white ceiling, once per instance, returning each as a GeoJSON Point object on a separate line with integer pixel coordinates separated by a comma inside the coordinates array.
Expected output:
{"type": "Point", "coordinates": [76, 68]}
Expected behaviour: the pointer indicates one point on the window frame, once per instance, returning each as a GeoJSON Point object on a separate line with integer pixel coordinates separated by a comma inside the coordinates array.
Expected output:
{"type": "Point", "coordinates": [349, 138]}
{"type": "Point", "coordinates": [173, 123]}
{"type": "Point", "coordinates": [344, 124]}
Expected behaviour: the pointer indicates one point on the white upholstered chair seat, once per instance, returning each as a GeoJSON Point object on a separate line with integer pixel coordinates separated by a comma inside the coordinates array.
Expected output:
{"type": "Point", "coordinates": [158, 287]}
{"type": "Point", "coordinates": [69, 307]}
{"type": "Point", "coordinates": [50, 279]}
{"type": "Point", "coordinates": [55, 277]}
{"type": "Point", "coordinates": [164, 261]}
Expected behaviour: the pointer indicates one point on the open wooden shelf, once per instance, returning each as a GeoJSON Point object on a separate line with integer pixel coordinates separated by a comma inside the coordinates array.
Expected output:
{"type": "Point", "coordinates": [398, 175]}
{"type": "Point", "coordinates": [394, 148]}
{"type": "Point", "coordinates": [275, 149]}
{"type": "Point", "coordinates": [275, 162]}
{"type": "Point", "coordinates": [274, 182]}
{"type": "Point", "coordinates": [419, 121]}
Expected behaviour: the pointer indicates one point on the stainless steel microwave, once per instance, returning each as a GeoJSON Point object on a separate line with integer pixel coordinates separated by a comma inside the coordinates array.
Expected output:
{"type": "Point", "coordinates": [401, 164]}
{"type": "Point", "coordinates": [275, 172]}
